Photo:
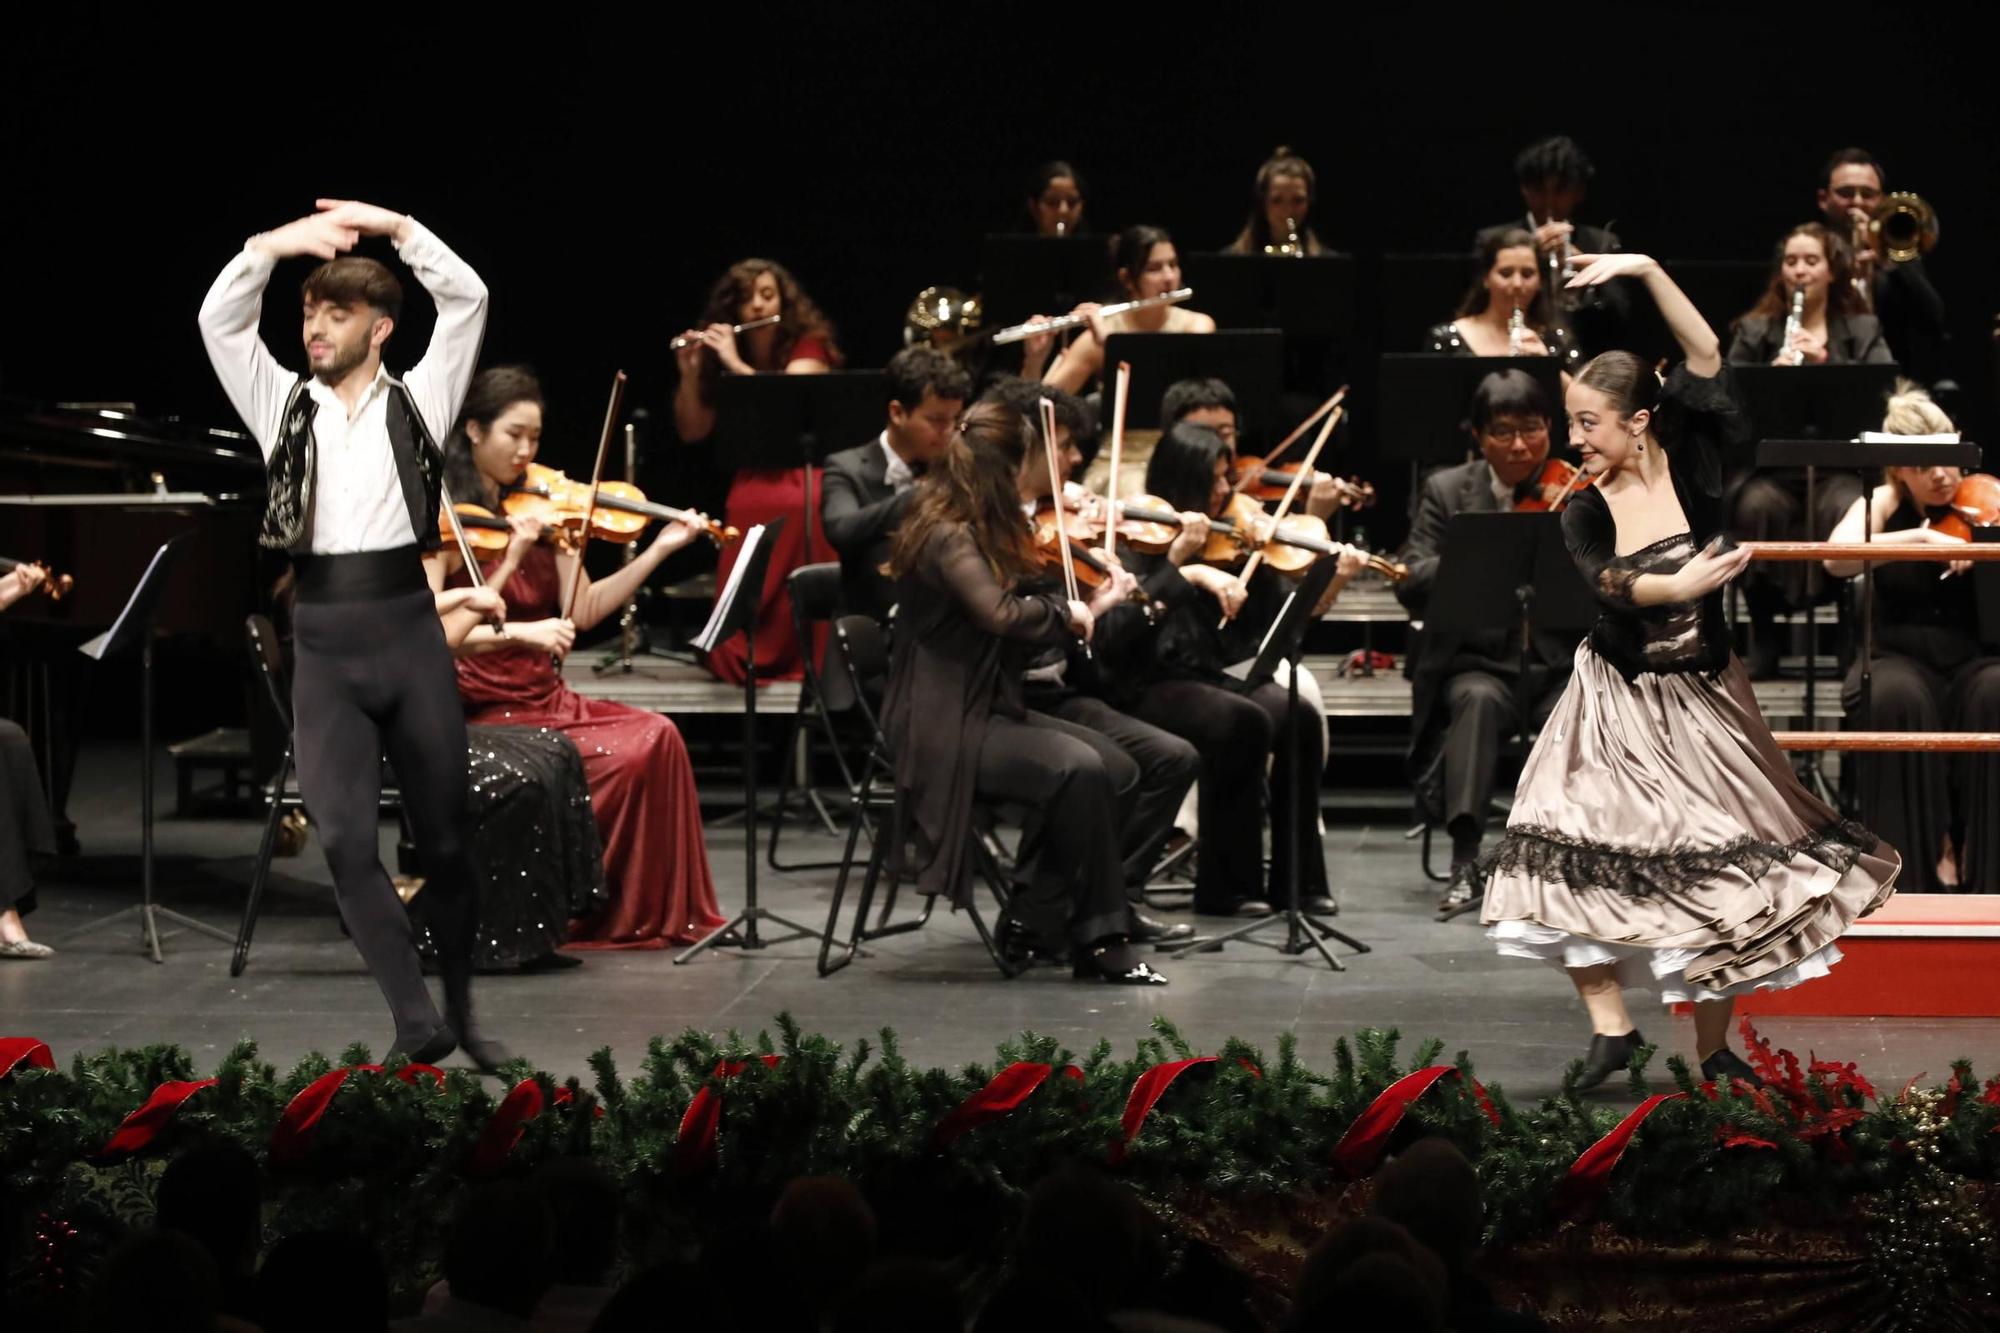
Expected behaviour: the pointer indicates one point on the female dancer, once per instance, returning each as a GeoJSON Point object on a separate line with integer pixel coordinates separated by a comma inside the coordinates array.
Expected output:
{"type": "Point", "coordinates": [1172, 676]}
{"type": "Point", "coordinates": [800, 343]}
{"type": "Point", "coordinates": [1658, 836]}
{"type": "Point", "coordinates": [1928, 673]}
{"type": "Point", "coordinates": [953, 714]}
{"type": "Point", "coordinates": [641, 783]}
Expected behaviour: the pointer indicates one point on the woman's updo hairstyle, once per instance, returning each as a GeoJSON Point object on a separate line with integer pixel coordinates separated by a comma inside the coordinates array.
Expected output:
{"type": "Point", "coordinates": [1912, 411]}
{"type": "Point", "coordinates": [1626, 380]}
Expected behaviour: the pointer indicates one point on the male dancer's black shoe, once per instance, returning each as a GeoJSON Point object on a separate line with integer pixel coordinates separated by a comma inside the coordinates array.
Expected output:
{"type": "Point", "coordinates": [428, 1050]}
{"type": "Point", "coordinates": [1607, 1056]}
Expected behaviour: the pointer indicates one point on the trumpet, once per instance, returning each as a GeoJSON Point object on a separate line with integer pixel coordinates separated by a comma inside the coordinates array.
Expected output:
{"type": "Point", "coordinates": [1904, 224]}
{"type": "Point", "coordinates": [765, 322]}
{"type": "Point", "coordinates": [1795, 323]}
{"type": "Point", "coordinates": [1018, 332]}
{"type": "Point", "coordinates": [1291, 249]}
{"type": "Point", "coordinates": [1517, 331]}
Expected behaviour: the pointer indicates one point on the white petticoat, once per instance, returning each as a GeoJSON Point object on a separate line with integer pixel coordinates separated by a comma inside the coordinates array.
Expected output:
{"type": "Point", "coordinates": [1640, 968]}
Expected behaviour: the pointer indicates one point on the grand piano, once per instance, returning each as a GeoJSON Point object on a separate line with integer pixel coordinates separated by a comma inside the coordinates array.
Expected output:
{"type": "Point", "coordinates": [91, 490]}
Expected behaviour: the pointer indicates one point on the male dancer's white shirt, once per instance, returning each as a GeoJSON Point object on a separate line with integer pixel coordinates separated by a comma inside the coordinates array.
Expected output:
{"type": "Point", "coordinates": [358, 502]}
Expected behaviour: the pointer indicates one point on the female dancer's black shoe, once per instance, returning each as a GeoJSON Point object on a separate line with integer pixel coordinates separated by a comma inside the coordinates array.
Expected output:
{"type": "Point", "coordinates": [1116, 962]}
{"type": "Point", "coordinates": [1607, 1056]}
{"type": "Point", "coordinates": [1725, 1065]}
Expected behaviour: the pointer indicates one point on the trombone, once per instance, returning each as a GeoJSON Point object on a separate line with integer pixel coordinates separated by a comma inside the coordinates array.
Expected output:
{"type": "Point", "coordinates": [1905, 225]}
{"type": "Point", "coordinates": [1018, 332]}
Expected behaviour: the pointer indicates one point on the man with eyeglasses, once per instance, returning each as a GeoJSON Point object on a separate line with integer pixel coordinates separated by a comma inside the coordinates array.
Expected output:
{"type": "Point", "coordinates": [1465, 694]}
{"type": "Point", "coordinates": [1852, 186]}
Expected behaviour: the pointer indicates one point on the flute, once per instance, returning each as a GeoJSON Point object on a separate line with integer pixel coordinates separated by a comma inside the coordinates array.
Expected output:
{"type": "Point", "coordinates": [1061, 322]}
{"type": "Point", "coordinates": [684, 340]}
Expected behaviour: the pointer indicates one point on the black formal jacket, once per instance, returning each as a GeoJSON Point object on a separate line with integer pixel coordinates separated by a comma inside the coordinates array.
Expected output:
{"type": "Point", "coordinates": [1442, 651]}
{"type": "Point", "coordinates": [1850, 340]}
{"type": "Point", "coordinates": [860, 512]}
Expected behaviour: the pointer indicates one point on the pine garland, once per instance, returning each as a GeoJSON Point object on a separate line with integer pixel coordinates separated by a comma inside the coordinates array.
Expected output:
{"type": "Point", "coordinates": [390, 1154]}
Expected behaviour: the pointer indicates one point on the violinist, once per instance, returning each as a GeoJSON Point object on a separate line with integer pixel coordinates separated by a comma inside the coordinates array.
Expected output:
{"type": "Point", "coordinates": [1148, 266]}
{"type": "Point", "coordinates": [1282, 201]}
{"type": "Point", "coordinates": [26, 830]}
{"type": "Point", "coordinates": [1506, 311]}
{"type": "Point", "coordinates": [868, 489]}
{"type": "Point", "coordinates": [642, 788]}
{"type": "Point", "coordinates": [1929, 672]}
{"type": "Point", "coordinates": [1813, 261]}
{"type": "Point", "coordinates": [756, 292]}
{"type": "Point", "coordinates": [1466, 688]}
{"type": "Point", "coordinates": [1212, 403]}
{"type": "Point", "coordinates": [1151, 770]}
{"type": "Point", "coordinates": [1172, 674]}
{"type": "Point", "coordinates": [956, 722]}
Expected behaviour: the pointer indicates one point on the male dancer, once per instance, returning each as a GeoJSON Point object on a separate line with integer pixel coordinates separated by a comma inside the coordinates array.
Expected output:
{"type": "Point", "coordinates": [353, 471]}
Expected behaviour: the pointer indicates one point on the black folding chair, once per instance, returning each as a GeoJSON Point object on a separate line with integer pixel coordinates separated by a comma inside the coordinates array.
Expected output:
{"type": "Point", "coordinates": [826, 696]}
{"type": "Point", "coordinates": [864, 654]}
{"type": "Point", "coordinates": [282, 792]}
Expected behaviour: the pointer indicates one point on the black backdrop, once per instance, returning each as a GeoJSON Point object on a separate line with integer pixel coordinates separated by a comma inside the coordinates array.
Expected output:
{"type": "Point", "coordinates": [599, 170]}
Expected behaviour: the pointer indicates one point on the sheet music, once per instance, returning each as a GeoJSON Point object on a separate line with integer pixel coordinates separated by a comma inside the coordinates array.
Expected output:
{"type": "Point", "coordinates": [1882, 437]}
{"type": "Point", "coordinates": [711, 633]}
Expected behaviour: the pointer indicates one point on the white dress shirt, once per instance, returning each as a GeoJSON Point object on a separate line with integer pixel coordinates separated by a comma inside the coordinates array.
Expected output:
{"type": "Point", "coordinates": [899, 476]}
{"type": "Point", "coordinates": [358, 502]}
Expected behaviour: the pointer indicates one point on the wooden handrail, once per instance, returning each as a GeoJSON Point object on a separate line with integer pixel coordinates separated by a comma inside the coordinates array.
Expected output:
{"type": "Point", "coordinates": [1957, 742]}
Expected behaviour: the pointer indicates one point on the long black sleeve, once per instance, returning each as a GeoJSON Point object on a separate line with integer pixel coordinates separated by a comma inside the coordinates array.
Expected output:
{"type": "Point", "coordinates": [959, 567]}
{"type": "Point", "coordinates": [851, 524]}
{"type": "Point", "coordinates": [1425, 544]}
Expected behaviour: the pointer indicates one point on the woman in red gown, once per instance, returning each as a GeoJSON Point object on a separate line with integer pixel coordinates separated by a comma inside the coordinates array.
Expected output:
{"type": "Point", "coordinates": [800, 343]}
{"type": "Point", "coordinates": [641, 783]}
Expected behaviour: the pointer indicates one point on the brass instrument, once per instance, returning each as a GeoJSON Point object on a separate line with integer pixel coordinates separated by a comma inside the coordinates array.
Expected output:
{"type": "Point", "coordinates": [1020, 332]}
{"type": "Point", "coordinates": [940, 316]}
{"type": "Point", "coordinates": [1292, 248]}
{"type": "Point", "coordinates": [1904, 225]}
{"type": "Point", "coordinates": [683, 341]}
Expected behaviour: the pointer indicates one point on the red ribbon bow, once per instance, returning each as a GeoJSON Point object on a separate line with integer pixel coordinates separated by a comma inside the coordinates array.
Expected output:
{"type": "Point", "coordinates": [694, 1149]}
{"type": "Point", "coordinates": [1148, 1088]}
{"type": "Point", "coordinates": [144, 1125]}
{"type": "Point", "coordinates": [293, 1133]}
{"type": "Point", "coordinates": [1002, 1095]}
{"type": "Point", "coordinates": [16, 1051]}
{"type": "Point", "coordinates": [1590, 1174]}
{"type": "Point", "coordinates": [1360, 1149]}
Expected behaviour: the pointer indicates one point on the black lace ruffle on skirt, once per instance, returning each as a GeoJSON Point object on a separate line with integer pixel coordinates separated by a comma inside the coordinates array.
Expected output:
{"type": "Point", "coordinates": [1583, 863]}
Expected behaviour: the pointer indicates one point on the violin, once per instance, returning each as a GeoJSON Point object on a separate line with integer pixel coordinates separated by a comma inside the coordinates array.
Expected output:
{"type": "Point", "coordinates": [1975, 504]}
{"type": "Point", "coordinates": [1554, 484]}
{"type": "Point", "coordinates": [621, 513]}
{"type": "Point", "coordinates": [1264, 481]}
{"type": "Point", "coordinates": [53, 586]}
{"type": "Point", "coordinates": [1148, 524]}
{"type": "Point", "coordinates": [485, 531]}
{"type": "Point", "coordinates": [1085, 530]}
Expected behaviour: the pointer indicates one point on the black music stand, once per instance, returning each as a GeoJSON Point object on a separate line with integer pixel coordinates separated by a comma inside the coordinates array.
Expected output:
{"type": "Point", "coordinates": [1508, 571]}
{"type": "Point", "coordinates": [1986, 592]}
{"type": "Point", "coordinates": [1025, 275]}
{"type": "Point", "coordinates": [1721, 289]}
{"type": "Point", "coordinates": [1823, 403]}
{"type": "Point", "coordinates": [1419, 291]}
{"type": "Point", "coordinates": [134, 629]}
{"type": "Point", "coordinates": [1306, 298]}
{"type": "Point", "coordinates": [1249, 361]}
{"type": "Point", "coordinates": [736, 609]}
{"type": "Point", "coordinates": [787, 421]}
{"type": "Point", "coordinates": [1285, 643]}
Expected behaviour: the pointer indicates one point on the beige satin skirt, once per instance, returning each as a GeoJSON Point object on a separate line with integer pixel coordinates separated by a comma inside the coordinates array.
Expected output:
{"type": "Point", "coordinates": [1657, 827]}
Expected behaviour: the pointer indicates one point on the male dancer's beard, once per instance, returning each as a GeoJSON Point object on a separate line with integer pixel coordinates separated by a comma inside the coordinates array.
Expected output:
{"type": "Point", "coordinates": [344, 360]}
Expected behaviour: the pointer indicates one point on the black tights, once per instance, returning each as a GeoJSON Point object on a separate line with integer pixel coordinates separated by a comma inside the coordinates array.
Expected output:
{"type": "Point", "coordinates": [373, 677]}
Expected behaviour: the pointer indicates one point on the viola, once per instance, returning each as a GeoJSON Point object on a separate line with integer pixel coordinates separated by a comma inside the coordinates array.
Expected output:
{"type": "Point", "coordinates": [1975, 504]}
{"type": "Point", "coordinates": [1554, 484]}
{"type": "Point", "coordinates": [53, 586]}
{"type": "Point", "coordinates": [485, 532]}
{"type": "Point", "coordinates": [621, 513]}
{"type": "Point", "coordinates": [1264, 481]}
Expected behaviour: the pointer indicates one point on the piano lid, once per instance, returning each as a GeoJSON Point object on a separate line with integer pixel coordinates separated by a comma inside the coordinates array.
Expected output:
{"type": "Point", "coordinates": [65, 448]}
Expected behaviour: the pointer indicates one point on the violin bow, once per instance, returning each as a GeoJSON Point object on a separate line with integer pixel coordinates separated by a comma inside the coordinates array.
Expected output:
{"type": "Point", "coordinates": [473, 572]}
{"type": "Point", "coordinates": [1291, 494]}
{"type": "Point", "coordinates": [1297, 432]}
{"type": "Point", "coordinates": [1055, 491]}
{"type": "Point", "coordinates": [596, 475]}
{"type": "Point", "coordinates": [1121, 388]}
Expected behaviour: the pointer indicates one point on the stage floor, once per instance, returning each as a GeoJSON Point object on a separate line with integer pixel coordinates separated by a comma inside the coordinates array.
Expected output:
{"type": "Point", "coordinates": [305, 988]}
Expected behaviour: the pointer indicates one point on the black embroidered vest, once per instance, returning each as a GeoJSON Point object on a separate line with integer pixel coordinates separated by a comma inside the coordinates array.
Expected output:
{"type": "Point", "coordinates": [293, 468]}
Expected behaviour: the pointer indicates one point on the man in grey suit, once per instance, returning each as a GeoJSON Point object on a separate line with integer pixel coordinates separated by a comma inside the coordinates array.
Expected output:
{"type": "Point", "coordinates": [1467, 687]}
{"type": "Point", "coordinates": [866, 489]}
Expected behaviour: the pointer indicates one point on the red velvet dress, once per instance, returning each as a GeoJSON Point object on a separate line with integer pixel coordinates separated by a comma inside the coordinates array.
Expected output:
{"type": "Point", "coordinates": [641, 783]}
{"type": "Point", "coordinates": [759, 495]}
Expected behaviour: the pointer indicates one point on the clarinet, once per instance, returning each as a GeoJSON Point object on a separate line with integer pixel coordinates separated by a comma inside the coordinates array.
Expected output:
{"type": "Point", "coordinates": [1795, 323]}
